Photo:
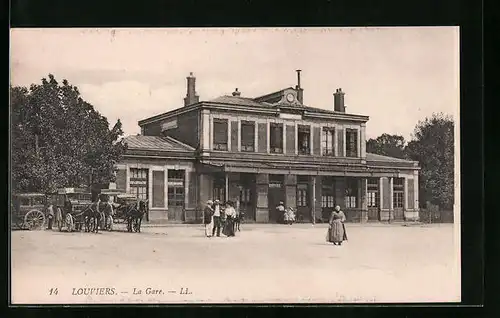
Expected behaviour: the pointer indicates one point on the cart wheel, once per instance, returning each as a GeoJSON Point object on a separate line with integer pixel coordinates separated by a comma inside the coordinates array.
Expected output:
{"type": "Point", "coordinates": [34, 220]}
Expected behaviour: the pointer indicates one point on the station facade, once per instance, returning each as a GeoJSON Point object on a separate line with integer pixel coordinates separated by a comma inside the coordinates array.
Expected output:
{"type": "Point", "coordinates": [259, 151]}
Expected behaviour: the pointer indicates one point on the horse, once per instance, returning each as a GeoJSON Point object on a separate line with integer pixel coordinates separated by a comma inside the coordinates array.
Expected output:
{"type": "Point", "coordinates": [107, 213]}
{"type": "Point", "coordinates": [92, 218]}
{"type": "Point", "coordinates": [134, 215]}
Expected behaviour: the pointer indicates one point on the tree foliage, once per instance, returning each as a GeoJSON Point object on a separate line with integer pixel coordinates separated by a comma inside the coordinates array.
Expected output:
{"type": "Point", "coordinates": [387, 145]}
{"type": "Point", "coordinates": [433, 147]}
{"type": "Point", "coordinates": [60, 140]}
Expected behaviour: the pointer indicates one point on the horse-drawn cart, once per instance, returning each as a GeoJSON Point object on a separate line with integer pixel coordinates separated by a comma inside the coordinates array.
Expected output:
{"type": "Point", "coordinates": [28, 210]}
{"type": "Point", "coordinates": [130, 210]}
{"type": "Point", "coordinates": [71, 203]}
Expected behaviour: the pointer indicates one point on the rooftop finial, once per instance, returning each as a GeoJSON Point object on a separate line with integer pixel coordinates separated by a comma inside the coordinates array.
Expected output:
{"type": "Point", "coordinates": [236, 92]}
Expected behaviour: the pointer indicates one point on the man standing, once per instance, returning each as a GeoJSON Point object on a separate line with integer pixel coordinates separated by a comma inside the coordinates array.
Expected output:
{"type": "Point", "coordinates": [50, 212]}
{"type": "Point", "coordinates": [216, 218]}
{"type": "Point", "coordinates": [208, 218]}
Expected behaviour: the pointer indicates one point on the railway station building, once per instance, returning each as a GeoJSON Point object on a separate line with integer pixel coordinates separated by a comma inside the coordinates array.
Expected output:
{"type": "Point", "coordinates": [262, 150]}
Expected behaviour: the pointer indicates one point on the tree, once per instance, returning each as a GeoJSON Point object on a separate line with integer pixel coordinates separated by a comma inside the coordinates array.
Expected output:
{"type": "Point", "coordinates": [387, 145]}
{"type": "Point", "coordinates": [59, 140]}
{"type": "Point", "coordinates": [433, 147]}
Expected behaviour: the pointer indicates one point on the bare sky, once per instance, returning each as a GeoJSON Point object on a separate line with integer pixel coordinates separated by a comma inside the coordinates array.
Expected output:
{"type": "Point", "coordinates": [396, 76]}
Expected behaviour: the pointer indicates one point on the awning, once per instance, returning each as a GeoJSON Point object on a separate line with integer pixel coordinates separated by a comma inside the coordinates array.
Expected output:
{"type": "Point", "coordinates": [300, 169]}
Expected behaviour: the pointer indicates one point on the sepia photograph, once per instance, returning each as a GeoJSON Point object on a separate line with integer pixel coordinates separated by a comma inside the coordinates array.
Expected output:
{"type": "Point", "coordinates": [234, 165]}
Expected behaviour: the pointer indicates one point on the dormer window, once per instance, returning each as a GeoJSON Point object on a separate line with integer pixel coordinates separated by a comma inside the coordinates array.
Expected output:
{"type": "Point", "coordinates": [351, 147]}
{"type": "Point", "coordinates": [220, 134]}
{"type": "Point", "coordinates": [276, 138]}
{"type": "Point", "coordinates": [303, 140]}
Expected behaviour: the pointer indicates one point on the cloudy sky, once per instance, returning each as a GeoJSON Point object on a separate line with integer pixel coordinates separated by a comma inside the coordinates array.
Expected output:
{"type": "Point", "coordinates": [396, 76]}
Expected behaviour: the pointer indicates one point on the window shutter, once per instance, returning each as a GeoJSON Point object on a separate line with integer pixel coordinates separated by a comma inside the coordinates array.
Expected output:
{"type": "Point", "coordinates": [411, 194]}
{"type": "Point", "coordinates": [234, 136]}
{"type": "Point", "coordinates": [340, 142]}
{"type": "Point", "coordinates": [262, 138]}
{"type": "Point", "coordinates": [158, 189]}
{"type": "Point", "coordinates": [316, 148]}
{"type": "Point", "coordinates": [121, 179]}
{"type": "Point", "coordinates": [220, 132]}
{"type": "Point", "coordinates": [247, 134]}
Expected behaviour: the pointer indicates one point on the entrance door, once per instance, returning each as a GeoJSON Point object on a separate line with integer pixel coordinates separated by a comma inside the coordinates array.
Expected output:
{"type": "Point", "coordinates": [373, 200]}
{"type": "Point", "coordinates": [247, 196]}
{"type": "Point", "coordinates": [327, 198]}
{"type": "Point", "coordinates": [398, 199]}
{"type": "Point", "coordinates": [276, 193]}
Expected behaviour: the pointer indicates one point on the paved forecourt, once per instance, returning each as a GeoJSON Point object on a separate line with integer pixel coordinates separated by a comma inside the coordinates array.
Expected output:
{"type": "Point", "coordinates": [263, 263]}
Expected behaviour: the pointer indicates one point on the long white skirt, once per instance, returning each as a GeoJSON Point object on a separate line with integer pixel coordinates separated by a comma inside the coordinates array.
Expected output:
{"type": "Point", "coordinates": [209, 227]}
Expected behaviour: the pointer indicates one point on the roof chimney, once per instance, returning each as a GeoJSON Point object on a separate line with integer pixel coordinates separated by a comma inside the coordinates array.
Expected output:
{"type": "Point", "coordinates": [300, 91]}
{"type": "Point", "coordinates": [191, 97]}
{"type": "Point", "coordinates": [236, 92]}
{"type": "Point", "coordinates": [338, 101]}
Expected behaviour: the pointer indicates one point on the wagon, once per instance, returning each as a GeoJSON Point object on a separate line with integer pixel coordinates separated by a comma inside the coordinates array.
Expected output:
{"type": "Point", "coordinates": [28, 210]}
{"type": "Point", "coordinates": [70, 204]}
{"type": "Point", "coordinates": [123, 201]}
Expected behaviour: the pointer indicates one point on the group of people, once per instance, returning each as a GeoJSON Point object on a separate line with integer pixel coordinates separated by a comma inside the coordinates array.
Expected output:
{"type": "Point", "coordinates": [287, 215]}
{"type": "Point", "coordinates": [217, 218]}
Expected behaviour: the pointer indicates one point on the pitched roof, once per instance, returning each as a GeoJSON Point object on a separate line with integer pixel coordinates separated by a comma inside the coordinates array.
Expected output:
{"type": "Point", "coordinates": [157, 143]}
{"type": "Point", "coordinates": [236, 100]}
{"type": "Point", "coordinates": [380, 158]}
{"type": "Point", "coordinates": [250, 102]}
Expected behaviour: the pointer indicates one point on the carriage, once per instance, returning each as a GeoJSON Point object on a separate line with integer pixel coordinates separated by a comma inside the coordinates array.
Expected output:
{"type": "Point", "coordinates": [129, 210]}
{"type": "Point", "coordinates": [28, 210]}
{"type": "Point", "coordinates": [70, 206]}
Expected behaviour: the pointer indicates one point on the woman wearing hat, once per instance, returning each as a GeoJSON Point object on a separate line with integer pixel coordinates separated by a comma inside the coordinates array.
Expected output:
{"type": "Point", "coordinates": [336, 232]}
{"type": "Point", "coordinates": [230, 215]}
{"type": "Point", "coordinates": [208, 215]}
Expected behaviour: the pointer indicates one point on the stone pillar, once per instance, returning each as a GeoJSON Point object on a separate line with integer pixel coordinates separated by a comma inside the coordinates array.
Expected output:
{"type": "Point", "coordinates": [380, 194]}
{"type": "Point", "coordinates": [391, 198]}
{"type": "Point", "coordinates": [313, 199]}
{"type": "Point", "coordinates": [405, 201]}
{"type": "Point", "coordinates": [226, 191]}
{"type": "Point", "coordinates": [262, 206]}
{"type": "Point", "coordinates": [296, 138]}
{"type": "Point", "coordinates": [363, 140]}
{"type": "Point", "coordinates": [205, 130]}
{"type": "Point", "coordinates": [165, 189]}
{"type": "Point", "coordinates": [283, 136]}
{"type": "Point", "coordinates": [239, 135]}
{"type": "Point", "coordinates": [268, 137]}
{"type": "Point", "coordinates": [186, 194]}
{"type": "Point", "coordinates": [127, 184]}
{"type": "Point", "coordinates": [150, 188]}
{"type": "Point", "coordinates": [416, 189]}
{"type": "Point", "coordinates": [364, 200]}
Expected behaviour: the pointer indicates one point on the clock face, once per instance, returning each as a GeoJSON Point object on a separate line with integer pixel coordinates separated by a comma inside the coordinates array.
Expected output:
{"type": "Point", "coordinates": [290, 97]}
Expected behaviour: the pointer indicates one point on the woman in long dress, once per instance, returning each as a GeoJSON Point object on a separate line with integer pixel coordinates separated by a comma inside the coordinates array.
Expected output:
{"type": "Point", "coordinates": [336, 231]}
{"type": "Point", "coordinates": [230, 215]}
